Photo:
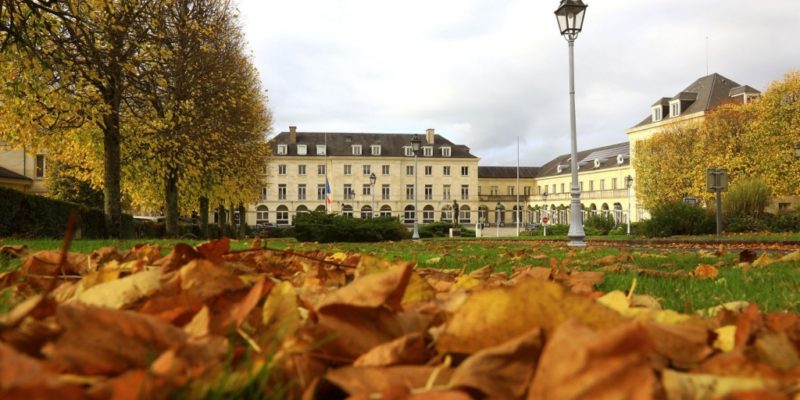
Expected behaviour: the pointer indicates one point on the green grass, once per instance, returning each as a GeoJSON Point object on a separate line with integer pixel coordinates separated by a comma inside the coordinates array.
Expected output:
{"type": "Point", "coordinates": [774, 288]}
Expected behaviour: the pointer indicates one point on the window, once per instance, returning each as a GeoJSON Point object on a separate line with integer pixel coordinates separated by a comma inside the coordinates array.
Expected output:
{"type": "Point", "coordinates": [320, 149]}
{"type": "Point", "coordinates": [301, 169]}
{"type": "Point", "coordinates": [602, 184]}
{"type": "Point", "coordinates": [348, 192]}
{"type": "Point", "coordinates": [321, 191]}
{"type": "Point", "coordinates": [493, 190]}
{"type": "Point", "coordinates": [366, 189]}
{"type": "Point", "coordinates": [40, 166]}
{"type": "Point", "coordinates": [427, 214]}
{"type": "Point", "coordinates": [539, 189]}
{"type": "Point", "coordinates": [428, 170]}
{"type": "Point", "coordinates": [409, 192]}
{"type": "Point", "coordinates": [302, 150]}
{"type": "Point", "coordinates": [656, 114]}
{"type": "Point", "coordinates": [409, 170]}
{"type": "Point", "coordinates": [510, 190]}
{"type": "Point", "coordinates": [348, 169]}
{"type": "Point", "coordinates": [301, 192]}
{"type": "Point", "coordinates": [282, 216]}
{"type": "Point", "coordinates": [375, 149]}
{"type": "Point", "coordinates": [386, 211]}
{"type": "Point", "coordinates": [321, 169]}
{"type": "Point", "coordinates": [464, 171]}
{"type": "Point", "coordinates": [283, 149]}
{"type": "Point", "coordinates": [428, 192]}
{"type": "Point", "coordinates": [463, 215]}
{"type": "Point", "coordinates": [562, 188]}
{"type": "Point", "coordinates": [282, 169]}
{"type": "Point", "coordinates": [553, 190]}
{"type": "Point", "coordinates": [427, 151]}
{"type": "Point", "coordinates": [263, 193]}
{"type": "Point", "coordinates": [365, 169]}
{"type": "Point", "coordinates": [385, 169]}
{"type": "Point", "coordinates": [366, 212]}
{"type": "Point", "coordinates": [464, 192]}
{"type": "Point", "coordinates": [445, 152]}
{"type": "Point", "coordinates": [446, 170]}
{"type": "Point", "coordinates": [526, 190]}
{"type": "Point", "coordinates": [356, 149]}
{"type": "Point", "coordinates": [581, 186]}
{"type": "Point", "coordinates": [614, 183]}
{"type": "Point", "coordinates": [262, 215]}
{"type": "Point", "coordinates": [347, 211]}
{"type": "Point", "coordinates": [591, 186]}
{"type": "Point", "coordinates": [385, 194]}
{"type": "Point", "coordinates": [408, 151]}
{"type": "Point", "coordinates": [282, 192]}
{"type": "Point", "coordinates": [409, 215]}
{"type": "Point", "coordinates": [675, 108]}
{"type": "Point", "coordinates": [446, 192]}
{"type": "Point", "coordinates": [480, 190]}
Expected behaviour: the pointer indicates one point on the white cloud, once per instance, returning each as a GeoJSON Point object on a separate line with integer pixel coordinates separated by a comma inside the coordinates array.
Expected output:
{"type": "Point", "coordinates": [484, 72]}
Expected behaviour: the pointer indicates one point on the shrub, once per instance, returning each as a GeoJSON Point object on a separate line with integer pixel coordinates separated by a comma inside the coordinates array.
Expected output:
{"type": "Point", "coordinates": [679, 218]}
{"type": "Point", "coordinates": [746, 198]}
{"type": "Point", "coordinates": [601, 224]}
{"type": "Point", "coordinates": [637, 229]}
{"type": "Point", "coordinates": [783, 222]}
{"type": "Point", "coordinates": [42, 217]}
{"type": "Point", "coordinates": [327, 228]}
{"type": "Point", "coordinates": [744, 223]}
{"type": "Point", "coordinates": [555, 230]}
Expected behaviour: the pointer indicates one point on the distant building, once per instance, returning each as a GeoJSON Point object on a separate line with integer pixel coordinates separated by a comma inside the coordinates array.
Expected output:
{"type": "Point", "coordinates": [23, 170]}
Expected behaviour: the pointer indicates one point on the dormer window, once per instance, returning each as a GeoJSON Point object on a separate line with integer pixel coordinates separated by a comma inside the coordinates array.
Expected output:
{"type": "Point", "coordinates": [620, 159]}
{"type": "Point", "coordinates": [408, 151]}
{"type": "Point", "coordinates": [302, 149]}
{"type": "Point", "coordinates": [356, 149]}
{"type": "Point", "coordinates": [445, 152]}
{"type": "Point", "coordinates": [656, 114]}
{"type": "Point", "coordinates": [597, 163]}
{"type": "Point", "coordinates": [559, 169]}
{"type": "Point", "coordinates": [320, 149]}
{"type": "Point", "coordinates": [674, 108]}
{"type": "Point", "coordinates": [375, 149]}
{"type": "Point", "coordinates": [283, 149]}
{"type": "Point", "coordinates": [427, 151]}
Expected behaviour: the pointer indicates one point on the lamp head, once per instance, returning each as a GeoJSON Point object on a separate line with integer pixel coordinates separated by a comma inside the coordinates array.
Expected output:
{"type": "Point", "coordinates": [570, 14]}
{"type": "Point", "coordinates": [415, 142]}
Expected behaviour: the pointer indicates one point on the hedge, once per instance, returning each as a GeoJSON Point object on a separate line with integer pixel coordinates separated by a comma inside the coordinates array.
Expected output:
{"type": "Point", "coordinates": [41, 217]}
{"type": "Point", "coordinates": [328, 228]}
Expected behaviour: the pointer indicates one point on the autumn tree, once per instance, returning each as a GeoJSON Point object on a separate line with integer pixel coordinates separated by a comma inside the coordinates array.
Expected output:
{"type": "Point", "coordinates": [90, 49]}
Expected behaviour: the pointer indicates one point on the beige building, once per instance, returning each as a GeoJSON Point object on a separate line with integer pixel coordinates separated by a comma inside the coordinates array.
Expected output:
{"type": "Point", "coordinates": [295, 177]}
{"type": "Point", "coordinates": [23, 170]}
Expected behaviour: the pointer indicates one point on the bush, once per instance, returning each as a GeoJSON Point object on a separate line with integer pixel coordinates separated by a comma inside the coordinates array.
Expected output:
{"type": "Point", "coordinates": [42, 217]}
{"type": "Point", "coordinates": [746, 198]}
{"type": "Point", "coordinates": [637, 229]}
{"type": "Point", "coordinates": [743, 223]}
{"type": "Point", "coordinates": [327, 228]}
{"type": "Point", "coordinates": [555, 230]}
{"type": "Point", "coordinates": [679, 218]}
{"type": "Point", "coordinates": [600, 224]}
{"type": "Point", "coordinates": [783, 222]}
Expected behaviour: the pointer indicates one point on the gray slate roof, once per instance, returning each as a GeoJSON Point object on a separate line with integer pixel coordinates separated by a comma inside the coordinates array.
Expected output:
{"type": "Point", "coordinates": [507, 172]}
{"type": "Point", "coordinates": [8, 174]}
{"type": "Point", "coordinates": [608, 153]}
{"type": "Point", "coordinates": [712, 90]}
{"type": "Point", "coordinates": [338, 144]}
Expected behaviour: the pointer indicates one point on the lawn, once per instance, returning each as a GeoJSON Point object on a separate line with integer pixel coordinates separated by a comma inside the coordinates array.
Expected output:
{"type": "Point", "coordinates": [774, 288]}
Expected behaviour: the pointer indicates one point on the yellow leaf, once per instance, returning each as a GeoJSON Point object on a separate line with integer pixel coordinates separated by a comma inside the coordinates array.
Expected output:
{"type": "Point", "coordinates": [121, 292]}
{"type": "Point", "coordinates": [465, 282]}
{"type": "Point", "coordinates": [793, 256]}
{"type": "Point", "coordinates": [763, 261]}
{"type": "Point", "coordinates": [280, 315]}
{"type": "Point", "coordinates": [725, 338]}
{"type": "Point", "coordinates": [679, 385]}
{"type": "Point", "coordinates": [96, 278]}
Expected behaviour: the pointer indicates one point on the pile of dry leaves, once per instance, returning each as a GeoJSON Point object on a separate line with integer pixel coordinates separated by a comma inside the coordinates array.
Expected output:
{"type": "Point", "coordinates": [207, 321]}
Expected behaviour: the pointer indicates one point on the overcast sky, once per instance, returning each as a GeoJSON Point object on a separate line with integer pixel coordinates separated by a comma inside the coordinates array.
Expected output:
{"type": "Point", "coordinates": [484, 72]}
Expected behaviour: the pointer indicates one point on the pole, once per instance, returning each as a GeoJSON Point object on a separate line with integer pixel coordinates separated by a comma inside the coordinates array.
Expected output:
{"type": "Point", "coordinates": [327, 182]}
{"type": "Point", "coordinates": [629, 208]}
{"type": "Point", "coordinates": [544, 214]}
{"type": "Point", "coordinates": [518, 212]}
{"type": "Point", "coordinates": [717, 189]}
{"type": "Point", "coordinates": [415, 235]}
{"type": "Point", "coordinates": [372, 191]}
{"type": "Point", "coordinates": [497, 222]}
{"type": "Point", "coordinates": [576, 233]}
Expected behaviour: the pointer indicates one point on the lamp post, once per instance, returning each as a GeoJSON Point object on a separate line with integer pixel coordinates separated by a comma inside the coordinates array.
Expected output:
{"type": "Point", "coordinates": [497, 219]}
{"type": "Point", "coordinates": [415, 142]}
{"type": "Point", "coordinates": [544, 213]}
{"type": "Point", "coordinates": [372, 179]}
{"type": "Point", "coordinates": [628, 185]}
{"type": "Point", "coordinates": [570, 15]}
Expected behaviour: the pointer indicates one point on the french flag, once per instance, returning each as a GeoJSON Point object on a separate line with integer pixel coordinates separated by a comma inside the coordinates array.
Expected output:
{"type": "Point", "coordinates": [327, 191]}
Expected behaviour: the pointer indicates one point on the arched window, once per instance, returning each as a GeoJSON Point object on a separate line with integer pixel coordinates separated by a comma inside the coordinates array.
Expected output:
{"type": "Point", "coordinates": [386, 211]}
{"type": "Point", "coordinates": [447, 213]}
{"type": "Point", "coordinates": [483, 212]}
{"type": "Point", "coordinates": [319, 209]}
{"type": "Point", "coordinates": [282, 215]}
{"type": "Point", "coordinates": [366, 212]}
{"type": "Point", "coordinates": [262, 214]}
{"type": "Point", "coordinates": [409, 214]}
{"type": "Point", "coordinates": [427, 214]}
{"type": "Point", "coordinates": [463, 215]}
{"type": "Point", "coordinates": [347, 211]}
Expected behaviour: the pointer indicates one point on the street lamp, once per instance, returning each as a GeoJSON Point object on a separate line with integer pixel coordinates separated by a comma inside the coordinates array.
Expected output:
{"type": "Point", "coordinates": [497, 219]}
{"type": "Point", "coordinates": [544, 213]}
{"type": "Point", "coordinates": [570, 15]}
{"type": "Point", "coordinates": [415, 142]}
{"type": "Point", "coordinates": [372, 179]}
{"type": "Point", "coordinates": [628, 185]}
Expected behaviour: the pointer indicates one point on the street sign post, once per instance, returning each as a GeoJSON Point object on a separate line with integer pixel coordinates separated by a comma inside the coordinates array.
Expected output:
{"type": "Point", "coordinates": [717, 182]}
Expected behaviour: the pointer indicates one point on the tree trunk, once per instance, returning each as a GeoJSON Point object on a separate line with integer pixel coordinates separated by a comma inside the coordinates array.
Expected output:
{"type": "Point", "coordinates": [112, 205]}
{"type": "Point", "coordinates": [221, 221]}
{"type": "Point", "coordinates": [171, 208]}
{"type": "Point", "coordinates": [242, 221]}
{"type": "Point", "coordinates": [204, 217]}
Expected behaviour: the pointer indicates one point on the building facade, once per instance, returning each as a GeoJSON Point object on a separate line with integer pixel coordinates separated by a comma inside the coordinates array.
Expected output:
{"type": "Point", "coordinates": [23, 170]}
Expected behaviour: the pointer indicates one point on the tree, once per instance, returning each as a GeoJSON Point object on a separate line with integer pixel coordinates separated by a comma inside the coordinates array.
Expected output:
{"type": "Point", "coordinates": [63, 185]}
{"type": "Point", "coordinates": [91, 49]}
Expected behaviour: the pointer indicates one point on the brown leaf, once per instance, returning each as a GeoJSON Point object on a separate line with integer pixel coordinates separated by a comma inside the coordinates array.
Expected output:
{"type": "Point", "coordinates": [408, 349]}
{"type": "Point", "coordinates": [180, 255]}
{"type": "Point", "coordinates": [747, 256]}
{"type": "Point", "coordinates": [578, 363]}
{"type": "Point", "coordinates": [776, 350]}
{"type": "Point", "coordinates": [147, 253]}
{"type": "Point", "coordinates": [373, 290]}
{"type": "Point", "coordinates": [206, 279]}
{"type": "Point", "coordinates": [492, 316]}
{"type": "Point", "coordinates": [680, 385]}
{"type": "Point", "coordinates": [503, 371]}
{"type": "Point", "coordinates": [46, 263]}
{"type": "Point", "coordinates": [705, 271]}
{"type": "Point", "coordinates": [20, 311]}
{"type": "Point", "coordinates": [105, 341]}
{"type": "Point", "coordinates": [104, 255]}
{"type": "Point", "coordinates": [14, 250]}
{"type": "Point", "coordinates": [23, 377]}
{"type": "Point", "coordinates": [685, 345]}
{"type": "Point", "coordinates": [215, 249]}
{"type": "Point", "coordinates": [369, 380]}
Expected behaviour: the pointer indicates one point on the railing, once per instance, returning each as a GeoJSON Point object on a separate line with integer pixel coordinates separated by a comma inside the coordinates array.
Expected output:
{"type": "Point", "coordinates": [503, 197]}
{"type": "Point", "coordinates": [595, 194]}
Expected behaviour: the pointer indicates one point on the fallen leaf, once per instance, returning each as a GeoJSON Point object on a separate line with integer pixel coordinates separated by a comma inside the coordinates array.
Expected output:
{"type": "Point", "coordinates": [370, 380]}
{"type": "Point", "coordinates": [578, 363]}
{"type": "Point", "coordinates": [23, 377]}
{"type": "Point", "coordinates": [215, 249]}
{"type": "Point", "coordinates": [490, 317]}
{"type": "Point", "coordinates": [407, 350]}
{"type": "Point", "coordinates": [705, 271]}
{"type": "Point", "coordinates": [122, 292]}
{"type": "Point", "coordinates": [679, 385]}
{"type": "Point", "coordinates": [280, 317]}
{"type": "Point", "coordinates": [725, 338]}
{"type": "Point", "coordinates": [793, 256]}
{"type": "Point", "coordinates": [684, 345]}
{"type": "Point", "coordinates": [776, 350]}
{"type": "Point", "coordinates": [747, 256]}
{"type": "Point", "coordinates": [763, 260]}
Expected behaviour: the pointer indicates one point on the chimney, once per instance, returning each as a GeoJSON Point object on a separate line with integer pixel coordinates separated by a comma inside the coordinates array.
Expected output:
{"type": "Point", "coordinates": [429, 135]}
{"type": "Point", "coordinates": [293, 134]}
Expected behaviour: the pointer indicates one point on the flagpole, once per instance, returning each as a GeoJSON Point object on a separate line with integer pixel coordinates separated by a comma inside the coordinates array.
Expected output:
{"type": "Point", "coordinates": [518, 211]}
{"type": "Point", "coordinates": [327, 183]}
